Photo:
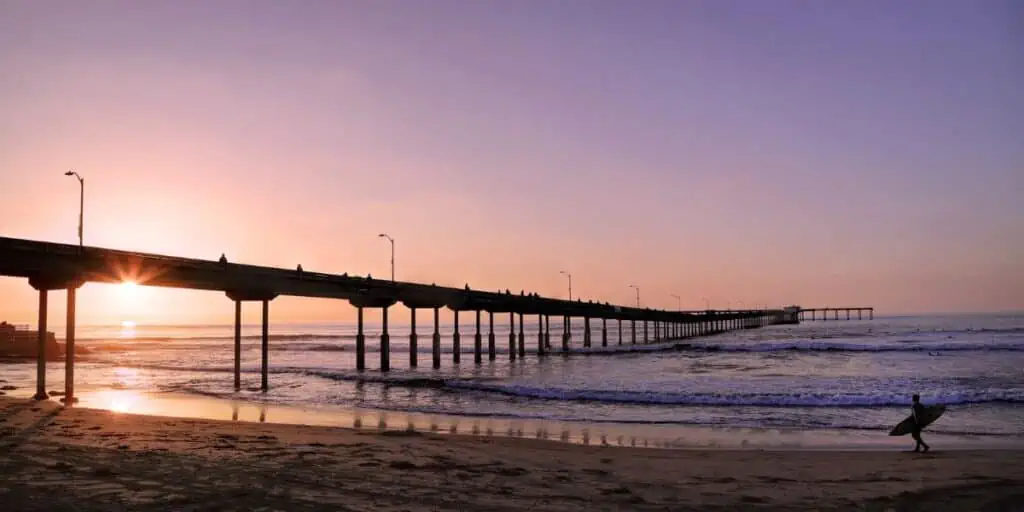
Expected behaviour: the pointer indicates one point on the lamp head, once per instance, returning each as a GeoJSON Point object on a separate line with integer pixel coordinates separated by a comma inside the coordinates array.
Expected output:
{"type": "Point", "coordinates": [69, 173]}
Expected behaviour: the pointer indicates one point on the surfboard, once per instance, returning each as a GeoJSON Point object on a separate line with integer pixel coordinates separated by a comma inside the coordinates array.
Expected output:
{"type": "Point", "coordinates": [931, 413]}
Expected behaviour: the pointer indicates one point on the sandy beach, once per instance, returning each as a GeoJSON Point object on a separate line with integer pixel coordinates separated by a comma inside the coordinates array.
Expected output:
{"type": "Point", "coordinates": [52, 458]}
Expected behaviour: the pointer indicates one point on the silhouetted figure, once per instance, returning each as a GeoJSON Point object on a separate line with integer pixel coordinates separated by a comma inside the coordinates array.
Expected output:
{"type": "Point", "coordinates": [467, 287]}
{"type": "Point", "coordinates": [917, 410]}
{"type": "Point", "coordinates": [299, 268]}
{"type": "Point", "coordinates": [369, 277]}
{"type": "Point", "coordinates": [223, 259]}
{"type": "Point", "coordinates": [521, 293]}
{"type": "Point", "coordinates": [345, 274]}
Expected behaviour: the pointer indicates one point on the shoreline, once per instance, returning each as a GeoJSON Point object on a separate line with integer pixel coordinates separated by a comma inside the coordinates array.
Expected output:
{"type": "Point", "coordinates": [57, 458]}
{"type": "Point", "coordinates": [247, 408]}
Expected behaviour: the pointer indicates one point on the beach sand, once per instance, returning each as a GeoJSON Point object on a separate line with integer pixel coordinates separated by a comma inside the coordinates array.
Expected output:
{"type": "Point", "coordinates": [52, 458]}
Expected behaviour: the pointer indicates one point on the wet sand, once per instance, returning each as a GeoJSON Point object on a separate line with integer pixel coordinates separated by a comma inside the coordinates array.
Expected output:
{"type": "Point", "coordinates": [53, 458]}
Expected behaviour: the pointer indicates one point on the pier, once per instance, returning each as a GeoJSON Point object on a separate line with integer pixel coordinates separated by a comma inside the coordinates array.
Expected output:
{"type": "Point", "coordinates": [52, 267]}
{"type": "Point", "coordinates": [803, 314]}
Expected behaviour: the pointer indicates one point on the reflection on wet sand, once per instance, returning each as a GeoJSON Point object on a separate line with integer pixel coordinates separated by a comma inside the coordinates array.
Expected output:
{"type": "Point", "coordinates": [661, 436]}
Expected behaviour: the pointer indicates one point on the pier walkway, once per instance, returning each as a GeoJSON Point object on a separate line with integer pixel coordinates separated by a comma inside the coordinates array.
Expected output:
{"type": "Point", "coordinates": [53, 266]}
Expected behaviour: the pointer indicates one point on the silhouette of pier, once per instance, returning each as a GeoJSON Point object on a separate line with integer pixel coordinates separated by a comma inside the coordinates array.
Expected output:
{"type": "Point", "coordinates": [52, 266]}
{"type": "Point", "coordinates": [803, 315]}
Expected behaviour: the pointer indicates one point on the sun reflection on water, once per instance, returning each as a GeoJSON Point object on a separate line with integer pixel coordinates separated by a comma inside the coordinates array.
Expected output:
{"type": "Point", "coordinates": [128, 329]}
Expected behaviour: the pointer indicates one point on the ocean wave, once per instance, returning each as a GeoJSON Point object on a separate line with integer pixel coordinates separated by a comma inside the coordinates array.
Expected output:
{"type": "Point", "coordinates": [794, 399]}
{"type": "Point", "coordinates": [838, 346]}
{"type": "Point", "coordinates": [228, 338]}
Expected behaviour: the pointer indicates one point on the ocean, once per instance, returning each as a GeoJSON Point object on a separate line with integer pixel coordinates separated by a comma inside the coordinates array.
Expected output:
{"type": "Point", "coordinates": [821, 383]}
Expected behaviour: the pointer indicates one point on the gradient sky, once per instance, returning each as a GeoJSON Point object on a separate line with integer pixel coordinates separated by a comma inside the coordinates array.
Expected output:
{"type": "Point", "coordinates": [778, 152]}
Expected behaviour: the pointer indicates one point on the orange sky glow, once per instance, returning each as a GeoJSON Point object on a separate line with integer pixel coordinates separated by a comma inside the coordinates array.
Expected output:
{"type": "Point", "coordinates": [498, 157]}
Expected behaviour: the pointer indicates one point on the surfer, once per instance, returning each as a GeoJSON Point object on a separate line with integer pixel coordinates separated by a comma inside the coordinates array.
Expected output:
{"type": "Point", "coordinates": [917, 411]}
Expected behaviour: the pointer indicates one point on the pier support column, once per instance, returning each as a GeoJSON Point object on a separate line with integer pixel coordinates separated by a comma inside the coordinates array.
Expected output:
{"type": "Point", "coordinates": [436, 346]}
{"type": "Point", "coordinates": [540, 335]}
{"type": "Point", "coordinates": [633, 328]}
{"type": "Point", "coordinates": [41, 349]}
{"type": "Point", "coordinates": [604, 332]}
{"type": "Point", "coordinates": [512, 336]}
{"type": "Point", "coordinates": [238, 345]}
{"type": "Point", "coordinates": [413, 339]}
{"type": "Point", "coordinates": [646, 339]}
{"type": "Point", "coordinates": [265, 364]}
{"type": "Point", "coordinates": [860, 314]}
{"type": "Point", "coordinates": [522, 337]}
{"type": "Point", "coordinates": [69, 350]}
{"type": "Point", "coordinates": [385, 342]}
{"type": "Point", "coordinates": [871, 314]}
{"type": "Point", "coordinates": [547, 332]}
{"type": "Point", "coordinates": [456, 341]}
{"type": "Point", "coordinates": [586, 332]}
{"type": "Point", "coordinates": [478, 356]}
{"type": "Point", "coordinates": [360, 341]}
{"type": "Point", "coordinates": [620, 331]}
{"type": "Point", "coordinates": [566, 328]}
{"type": "Point", "coordinates": [491, 352]}
{"type": "Point", "coordinates": [847, 314]}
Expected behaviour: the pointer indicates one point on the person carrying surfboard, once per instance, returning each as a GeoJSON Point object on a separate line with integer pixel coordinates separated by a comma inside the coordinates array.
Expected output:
{"type": "Point", "coordinates": [918, 413]}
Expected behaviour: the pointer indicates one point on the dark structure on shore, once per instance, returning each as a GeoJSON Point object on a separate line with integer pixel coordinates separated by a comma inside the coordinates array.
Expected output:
{"type": "Point", "coordinates": [18, 341]}
{"type": "Point", "coordinates": [52, 266]}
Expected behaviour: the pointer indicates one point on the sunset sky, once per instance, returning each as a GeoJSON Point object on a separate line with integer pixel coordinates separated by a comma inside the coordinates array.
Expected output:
{"type": "Point", "coordinates": [775, 152]}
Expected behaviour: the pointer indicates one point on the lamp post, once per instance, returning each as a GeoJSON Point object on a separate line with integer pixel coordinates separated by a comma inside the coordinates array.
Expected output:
{"type": "Point", "coordinates": [679, 301]}
{"type": "Point", "coordinates": [743, 305]}
{"type": "Point", "coordinates": [567, 274]}
{"type": "Point", "coordinates": [81, 203]}
{"type": "Point", "coordinates": [637, 294]}
{"type": "Point", "coordinates": [392, 240]}
{"type": "Point", "coordinates": [707, 304]}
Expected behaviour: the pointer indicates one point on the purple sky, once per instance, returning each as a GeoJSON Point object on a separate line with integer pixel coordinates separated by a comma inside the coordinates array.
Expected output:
{"type": "Point", "coordinates": [821, 153]}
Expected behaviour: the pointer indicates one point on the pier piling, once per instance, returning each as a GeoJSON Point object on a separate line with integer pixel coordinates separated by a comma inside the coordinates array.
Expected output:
{"type": "Point", "coordinates": [69, 349]}
{"type": "Point", "coordinates": [478, 357]}
{"type": "Point", "coordinates": [522, 338]}
{"type": "Point", "coordinates": [436, 345]}
{"type": "Point", "coordinates": [385, 341]}
{"type": "Point", "coordinates": [238, 345]}
{"type": "Point", "coordinates": [491, 349]}
{"type": "Point", "coordinates": [456, 341]}
{"type": "Point", "coordinates": [413, 340]}
{"type": "Point", "coordinates": [360, 341]}
{"type": "Point", "coordinates": [265, 338]}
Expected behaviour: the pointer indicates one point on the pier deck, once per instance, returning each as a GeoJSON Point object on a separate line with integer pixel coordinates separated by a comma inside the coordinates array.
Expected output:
{"type": "Point", "coordinates": [53, 266]}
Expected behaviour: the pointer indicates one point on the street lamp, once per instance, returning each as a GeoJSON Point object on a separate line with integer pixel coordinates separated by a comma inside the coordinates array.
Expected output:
{"type": "Point", "coordinates": [81, 203]}
{"type": "Point", "coordinates": [637, 294]}
{"type": "Point", "coordinates": [392, 240]}
{"type": "Point", "coordinates": [567, 274]}
{"type": "Point", "coordinates": [679, 300]}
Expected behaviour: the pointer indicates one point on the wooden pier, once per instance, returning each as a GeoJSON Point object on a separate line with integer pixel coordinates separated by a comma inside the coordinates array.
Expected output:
{"type": "Point", "coordinates": [803, 315]}
{"type": "Point", "coordinates": [52, 266]}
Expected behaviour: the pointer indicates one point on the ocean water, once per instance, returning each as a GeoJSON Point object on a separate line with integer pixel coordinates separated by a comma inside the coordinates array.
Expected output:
{"type": "Point", "coordinates": [856, 376]}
